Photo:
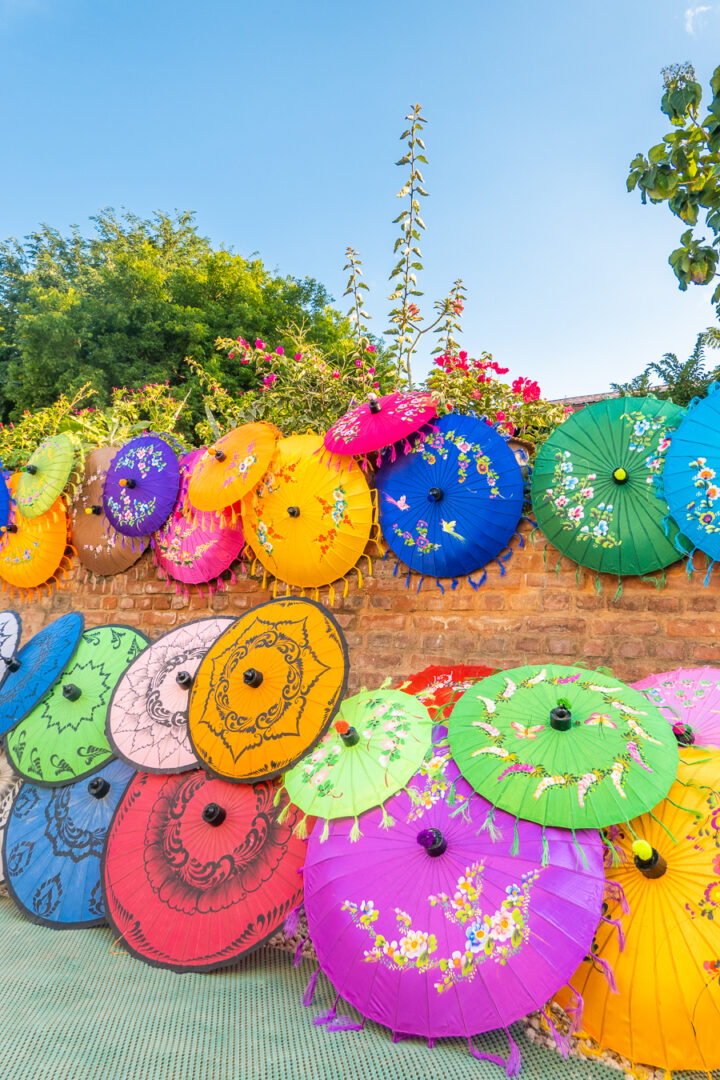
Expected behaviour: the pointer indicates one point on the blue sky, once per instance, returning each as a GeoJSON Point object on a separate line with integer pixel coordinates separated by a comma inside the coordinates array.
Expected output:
{"type": "Point", "coordinates": [278, 123]}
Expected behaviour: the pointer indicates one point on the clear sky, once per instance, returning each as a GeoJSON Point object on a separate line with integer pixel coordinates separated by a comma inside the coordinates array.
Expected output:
{"type": "Point", "coordinates": [278, 121]}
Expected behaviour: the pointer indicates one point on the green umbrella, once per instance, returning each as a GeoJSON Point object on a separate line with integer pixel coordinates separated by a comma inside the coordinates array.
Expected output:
{"type": "Point", "coordinates": [378, 742]}
{"type": "Point", "coordinates": [563, 746]}
{"type": "Point", "coordinates": [63, 738]}
{"type": "Point", "coordinates": [47, 474]}
{"type": "Point", "coordinates": [593, 488]}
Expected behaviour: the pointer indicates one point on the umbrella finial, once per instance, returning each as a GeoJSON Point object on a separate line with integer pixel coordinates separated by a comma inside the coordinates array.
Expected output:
{"type": "Point", "coordinates": [219, 455]}
{"type": "Point", "coordinates": [620, 475]}
{"type": "Point", "coordinates": [252, 677]}
{"type": "Point", "coordinates": [294, 511]}
{"type": "Point", "coordinates": [213, 814]}
{"type": "Point", "coordinates": [561, 717]}
{"type": "Point", "coordinates": [98, 787]}
{"type": "Point", "coordinates": [71, 692]}
{"type": "Point", "coordinates": [435, 494]}
{"type": "Point", "coordinates": [32, 469]}
{"type": "Point", "coordinates": [684, 734]}
{"type": "Point", "coordinates": [128, 482]}
{"type": "Point", "coordinates": [648, 859]}
{"type": "Point", "coordinates": [433, 841]}
{"type": "Point", "coordinates": [348, 734]}
{"type": "Point", "coordinates": [375, 406]}
{"type": "Point", "coordinates": [184, 679]}
{"type": "Point", "coordinates": [12, 663]}
{"type": "Point", "coordinates": [95, 509]}
{"type": "Point", "coordinates": [11, 527]}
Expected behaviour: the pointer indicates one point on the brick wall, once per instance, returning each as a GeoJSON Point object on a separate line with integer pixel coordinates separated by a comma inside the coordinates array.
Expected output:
{"type": "Point", "coordinates": [539, 611]}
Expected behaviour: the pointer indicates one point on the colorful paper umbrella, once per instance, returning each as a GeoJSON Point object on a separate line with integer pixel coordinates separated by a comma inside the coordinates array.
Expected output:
{"type": "Point", "coordinates": [593, 488]}
{"type": "Point", "coordinates": [267, 690]}
{"type": "Point", "coordinates": [199, 872]}
{"type": "Point", "coordinates": [147, 718]}
{"type": "Point", "coordinates": [380, 422]}
{"type": "Point", "coordinates": [37, 665]}
{"type": "Point", "coordinates": [53, 844]}
{"type": "Point", "coordinates": [667, 1011]}
{"type": "Point", "coordinates": [310, 520]}
{"type": "Point", "coordinates": [196, 548]}
{"type": "Point", "coordinates": [691, 477]}
{"type": "Point", "coordinates": [689, 698]}
{"type": "Point", "coordinates": [100, 548]}
{"type": "Point", "coordinates": [32, 550]}
{"type": "Point", "coordinates": [49, 471]}
{"type": "Point", "coordinates": [563, 746]}
{"type": "Point", "coordinates": [63, 738]}
{"type": "Point", "coordinates": [141, 486]}
{"type": "Point", "coordinates": [10, 627]}
{"type": "Point", "coordinates": [376, 745]}
{"type": "Point", "coordinates": [9, 787]}
{"type": "Point", "coordinates": [434, 928]}
{"type": "Point", "coordinates": [452, 504]}
{"type": "Point", "coordinates": [5, 506]}
{"type": "Point", "coordinates": [228, 471]}
{"type": "Point", "coordinates": [439, 686]}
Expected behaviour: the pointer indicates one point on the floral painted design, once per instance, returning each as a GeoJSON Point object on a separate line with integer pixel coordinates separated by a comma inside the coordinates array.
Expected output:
{"type": "Point", "coordinates": [437, 446]}
{"type": "Point", "coordinates": [411, 410]}
{"type": "Point", "coordinates": [571, 497]}
{"type": "Point", "coordinates": [436, 786]}
{"type": "Point", "coordinates": [336, 510]}
{"type": "Point", "coordinates": [145, 459]}
{"type": "Point", "coordinates": [419, 540]}
{"type": "Point", "coordinates": [704, 509]}
{"type": "Point", "coordinates": [127, 510]}
{"type": "Point", "coordinates": [489, 936]}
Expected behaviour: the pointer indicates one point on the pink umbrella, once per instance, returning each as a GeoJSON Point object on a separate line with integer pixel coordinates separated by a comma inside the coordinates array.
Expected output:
{"type": "Point", "coordinates": [689, 699]}
{"type": "Point", "coordinates": [379, 423]}
{"type": "Point", "coordinates": [147, 719]}
{"type": "Point", "coordinates": [433, 927]}
{"type": "Point", "coordinates": [194, 548]}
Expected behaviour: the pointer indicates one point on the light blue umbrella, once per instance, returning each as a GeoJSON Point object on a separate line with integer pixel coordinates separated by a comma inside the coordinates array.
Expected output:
{"type": "Point", "coordinates": [36, 667]}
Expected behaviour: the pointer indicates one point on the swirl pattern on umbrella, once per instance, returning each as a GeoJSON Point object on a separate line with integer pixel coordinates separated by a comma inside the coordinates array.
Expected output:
{"type": "Point", "coordinates": [199, 872]}
{"type": "Point", "coordinates": [147, 718]}
{"type": "Point", "coordinates": [39, 663]}
{"type": "Point", "coordinates": [453, 503]}
{"type": "Point", "coordinates": [100, 547]}
{"type": "Point", "coordinates": [53, 846]}
{"type": "Point", "coordinates": [32, 550]}
{"type": "Point", "coordinates": [563, 746]}
{"type": "Point", "coordinates": [689, 699]}
{"type": "Point", "coordinates": [63, 738]}
{"type": "Point", "coordinates": [380, 422]}
{"type": "Point", "coordinates": [141, 485]}
{"type": "Point", "coordinates": [226, 472]}
{"type": "Point", "coordinates": [46, 476]}
{"type": "Point", "coordinates": [267, 690]}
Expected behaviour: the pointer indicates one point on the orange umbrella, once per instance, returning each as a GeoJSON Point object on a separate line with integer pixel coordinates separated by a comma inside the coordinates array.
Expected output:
{"type": "Point", "coordinates": [231, 468]}
{"type": "Point", "coordinates": [32, 550]}
{"type": "Point", "coordinates": [310, 520]}
{"type": "Point", "coordinates": [267, 690]}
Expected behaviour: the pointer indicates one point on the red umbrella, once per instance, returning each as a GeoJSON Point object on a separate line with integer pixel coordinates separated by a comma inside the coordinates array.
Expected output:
{"type": "Point", "coordinates": [441, 685]}
{"type": "Point", "coordinates": [197, 872]}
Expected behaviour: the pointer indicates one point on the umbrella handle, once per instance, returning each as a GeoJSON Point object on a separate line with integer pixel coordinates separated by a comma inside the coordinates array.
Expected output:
{"type": "Point", "coordinates": [128, 482]}
{"type": "Point", "coordinates": [32, 469]}
{"type": "Point", "coordinates": [12, 662]}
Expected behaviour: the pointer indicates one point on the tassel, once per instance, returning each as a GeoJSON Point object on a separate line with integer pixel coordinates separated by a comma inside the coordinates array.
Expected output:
{"type": "Point", "coordinates": [345, 1023]}
{"type": "Point", "coordinates": [310, 989]}
{"type": "Point", "coordinates": [387, 821]}
{"type": "Point", "coordinates": [617, 894]}
{"type": "Point", "coordinates": [513, 1063]}
{"type": "Point", "coordinates": [489, 824]}
{"type": "Point", "coordinates": [355, 833]}
{"type": "Point", "coordinates": [478, 584]}
{"type": "Point", "coordinates": [298, 951]}
{"type": "Point", "coordinates": [325, 831]}
{"type": "Point", "coordinates": [560, 1041]}
{"type": "Point", "coordinates": [300, 829]}
{"type": "Point", "coordinates": [516, 839]}
{"type": "Point", "coordinates": [604, 967]}
{"type": "Point", "coordinates": [291, 923]}
{"type": "Point", "coordinates": [618, 926]}
{"type": "Point", "coordinates": [575, 1011]}
{"type": "Point", "coordinates": [283, 813]}
{"type": "Point", "coordinates": [545, 849]}
{"type": "Point", "coordinates": [278, 796]}
{"type": "Point", "coordinates": [454, 583]}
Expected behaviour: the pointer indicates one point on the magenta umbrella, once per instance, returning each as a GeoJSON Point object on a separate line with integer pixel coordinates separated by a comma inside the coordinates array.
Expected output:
{"type": "Point", "coordinates": [195, 548]}
{"type": "Point", "coordinates": [380, 422]}
{"type": "Point", "coordinates": [689, 699]}
{"type": "Point", "coordinates": [433, 927]}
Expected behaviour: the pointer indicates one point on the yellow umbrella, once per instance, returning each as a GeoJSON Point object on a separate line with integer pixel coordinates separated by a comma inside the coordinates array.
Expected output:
{"type": "Point", "coordinates": [32, 550]}
{"type": "Point", "coordinates": [232, 467]}
{"type": "Point", "coordinates": [310, 520]}
{"type": "Point", "coordinates": [667, 1010]}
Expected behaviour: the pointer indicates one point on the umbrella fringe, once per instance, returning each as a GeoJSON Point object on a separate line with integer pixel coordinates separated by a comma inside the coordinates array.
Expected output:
{"type": "Point", "coordinates": [284, 813]}
{"type": "Point", "coordinates": [664, 826]}
{"type": "Point", "coordinates": [598, 584]}
{"type": "Point", "coordinates": [355, 833]}
{"type": "Point", "coordinates": [480, 583]}
{"type": "Point", "coordinates": [516, 838]}
{"type": "Point", "coordinates": [686, 809]}
{"type": "Point", "coordinates": [575, 1011]}
{"type": "Point", "coordinates": [512, 1064]}
{"type": "Point", "coordinates": [620, 932]}
{"type": "Point", "coordinates": [545, 849]}
{"type": "Point", "coordinates": [291, 922]}
{"type": "Point", "coordinates": [310, 988]}
{"type": "Point", "coordinates": [387, 821]}
{"type": "Point", "coordinates": [659, 582]}
{"type": "Point", "coordinates": [298, 951]}
{"type": "Point", "coordinates": [618, 591]}
{"type": "Point", "coordinates": [300, 830]}
{"type": "Point", "coordinates": [325, 831]}
{"type": "Point", "coordinates": [580, 848]}
{"type": "Point", "coordinates": [488, 824]}
{"type": "Point", "coordinates": [616, 893]}
{"type": "Point", "coordinates": [605, 968]}
{"type": "Point", "coordinates": [562, 1043]}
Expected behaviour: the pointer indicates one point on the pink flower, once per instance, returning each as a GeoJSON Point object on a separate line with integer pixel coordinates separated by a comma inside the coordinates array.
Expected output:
{"type": "Point", "coordinates": [259, 343]}
{"type": "Point", "coordinates": [376, 385]}
{"type": "Point", "coordinates": [298, 356]}
{"type": "Point", "coordinates": [358, 363]}
{"type": "Point", "coordinates": [370, 348]}
{"type": "Point", "coordinates": [371, 371]}
{"type": "Point", "coordinates": [336, 374]}
{"type": "Point", "coordinates": [462, 355]}
{"type": "Point", "coordinates": [280, 351]}
{"type": "Point", "coordinates": [269, 379]}
{"type": "Point", "coordinates": [231, 355]}
{"type": "Point", "coordinates": [500, 416]}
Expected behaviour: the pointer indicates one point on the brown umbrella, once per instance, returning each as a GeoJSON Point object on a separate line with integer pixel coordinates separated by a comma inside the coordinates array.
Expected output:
{"type": "Point", "coordinates": [100, 548]}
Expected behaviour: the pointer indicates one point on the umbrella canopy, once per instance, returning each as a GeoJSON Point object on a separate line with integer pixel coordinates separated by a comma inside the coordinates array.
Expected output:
{"type": "Point", "coordinates": [453, 502]}
{"type": "Point", "coordinates": [10, 627]}
{"type": "Point", "coordinates": [32, 550]}
{"type": "Point", "coordinates": [228, 471]}
{"type": "Point", "coordinates": [199, 872]}
{"type": "Point", "coordinates": [4, 501]}
{"type": "Point", "coordinates": [9, 787]}
{"type": "Point", "coordinates": [592, 485]}
{"type": "Point", "coordinates": [377, 743]}
{"type": "Point", "coordinates": [689, 698]}
{"type": "Point", "coordinates": [196, 548]}
{"type": "Point", "coordinates": [310, 520]}
{"type": "Point", "coordinates": [147, 718]}
{"type": "Point", "coordinates": [53, 844]}
{"type": "Point", "coordinates": [563, 746]}
{"type": "Point", "coordinates": [141, 485]}
{"type": "Point", "coordinates": [439, 686]}
{"type": "Point", "coordinates": [63, 738]}
{"type": "Point", "coordinates": [100, 548]}
{"type": "Point", "coordinates": [691, 477]}
{"type": "Point", "coordinates": [46, 475]}
{"type": "Point", "coordinates": [380, 422]}
{"type": "Point", "coordinates": [667, 1011]}
{"type": "Point", "coordinates": [267, 690]}
{"type": "Point", "coordinates": [38, 664]}
{"type": "Point", "coordinates": [435, 928]}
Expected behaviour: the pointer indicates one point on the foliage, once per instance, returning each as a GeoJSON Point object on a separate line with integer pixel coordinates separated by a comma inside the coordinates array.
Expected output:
{"type": "Point", "coordinates": [124, 306]}
{"type": "Point", "coordinates": [463, 384]}
{"type": "Point", "coordinates": [684, 171]}
{"type": "Point", "coordinates": [675, 380]}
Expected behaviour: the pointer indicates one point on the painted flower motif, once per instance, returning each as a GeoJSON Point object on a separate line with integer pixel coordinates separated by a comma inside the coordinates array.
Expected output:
{"type": "Point", "coordinates": [502, 926]}
{"type": "Point", "coordinates": [391, 949]}
{"type": "Point", "coordinates": [414, 944]}
{"type": "Point", "coordinates": [514, 892]}
{"type": "Point", "coordinates": [477, 935]}
{"type": "Point", "coordinates": [576, 513]}
{"type": "Point", "coordinates": [561, 501]}
{"type": "Point", "coordinates": [366, 906]}
{"type": "Point", "coordinates": [587, 492]}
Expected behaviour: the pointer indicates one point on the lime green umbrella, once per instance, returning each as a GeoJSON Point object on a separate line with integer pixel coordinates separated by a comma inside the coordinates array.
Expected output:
{"type": "Point", "coordinates": [378, 742]}
{"type": "Point", "coordinates": [63, 738]}
{"type": "Point", "coordinates": [563, 746]}
{"type": "Point", "coordinates": [48, 472]}
{"type": "Point", "coordinates": [593, 487]}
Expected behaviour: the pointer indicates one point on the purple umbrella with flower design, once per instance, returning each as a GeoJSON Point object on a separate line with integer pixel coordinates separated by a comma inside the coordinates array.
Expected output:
{"type": "Point", "coordinates": [433, 927]}
{"type": "Point", "coordinates": [141, 486]}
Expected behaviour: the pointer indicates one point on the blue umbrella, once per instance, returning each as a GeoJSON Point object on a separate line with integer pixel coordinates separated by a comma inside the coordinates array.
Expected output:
{"type": "Point", "coordinates": [53, 844]}
{"type": "Point", "coordinates": [691, 477]}
{"type": "Point", "coordinates": [452, 504]}
{"type": "Point", "coordinates": [141, 486]}
{"type": "Point", "coordinates": [36, 667]}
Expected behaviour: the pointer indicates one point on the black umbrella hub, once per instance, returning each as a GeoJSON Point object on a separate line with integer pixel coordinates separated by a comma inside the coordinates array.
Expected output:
{"type": "Point", "coordinates": [184, 679]}
{"type": "Point", "coordinates": [71, 691]}
{"type": "Point", "coordinates": [252, 677]}
{"type": "Point", "coordinates": [98, 787]}
{"type": "Point", "coordinates": [94, 509]}
{"type": "Point", "coordinates": [218, 454]}
{"type": "Point", "coordinates": [435, 494]}
{"type": "Point", "coordinates": [561, 717]}
{"type": "Point", "coordinates": [214, 814]}
{"type": "Point", "coordinates": [620, 475]}
{"type": "Point", "coordinates": [348, 734]}
{"type": "Point", "coordinates": [433, 841]}
{"type": "Point", "coordinates": [374, 406]}
{"type": "Point", "coordinates": [127, 482]}
{"type": "Point", "coordinates": [648, 859]}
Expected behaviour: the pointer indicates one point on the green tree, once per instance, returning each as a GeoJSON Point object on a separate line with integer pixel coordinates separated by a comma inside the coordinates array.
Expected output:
{"type": "Point", "coordinates": [672, 379]}
{"type": "Point", "coordinates": [124, 306]}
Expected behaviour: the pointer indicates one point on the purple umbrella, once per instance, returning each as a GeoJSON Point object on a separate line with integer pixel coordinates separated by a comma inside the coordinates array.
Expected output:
{"type": "Point", "coordinates": [141, 486]}
{"type": "Point", "coordinates": [433, 927]}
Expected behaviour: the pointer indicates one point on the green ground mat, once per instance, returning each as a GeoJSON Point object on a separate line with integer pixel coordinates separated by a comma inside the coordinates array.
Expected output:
{"type": "Point", "coordinates": [72, 1009]}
